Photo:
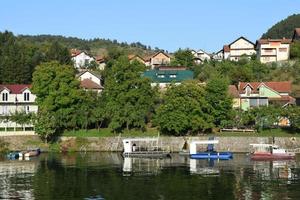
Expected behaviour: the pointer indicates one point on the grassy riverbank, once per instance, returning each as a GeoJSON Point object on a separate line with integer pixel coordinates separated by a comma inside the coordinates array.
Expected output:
{"type": "Point", "coordinates": [153, 132]}
{"type": "Point", "coordinates": [106, 132]}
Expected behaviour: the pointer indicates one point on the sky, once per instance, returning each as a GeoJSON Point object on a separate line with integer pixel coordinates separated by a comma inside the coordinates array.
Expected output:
{"type": "Point", "coordinates": [167, 24]}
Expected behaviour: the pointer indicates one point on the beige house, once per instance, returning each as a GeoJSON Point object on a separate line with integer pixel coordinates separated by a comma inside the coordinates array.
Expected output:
{"type": "Point", "coordinates": [158, 59]}
{"type": "Point", "coordinates": [273, 50]}
{"type": "Point", "coordinates": [239, 48]}
{"type": "Point", "coordinates": [138, 58]}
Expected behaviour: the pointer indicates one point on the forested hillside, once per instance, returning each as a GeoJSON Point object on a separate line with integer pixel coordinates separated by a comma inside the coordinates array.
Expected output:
{"type": "Point", "coordinates": [96, 46]}
{"type": "Point", "coordinates": [284, 28]}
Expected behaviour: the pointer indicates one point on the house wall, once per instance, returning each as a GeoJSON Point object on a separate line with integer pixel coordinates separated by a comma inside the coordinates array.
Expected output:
{"type": "Point", "coordinates": [160, 59]}
{"type": "Point", "coordinates": [266, 92]}
{"type": "Point", "coordinates": [81, 59]}
{"type": "Point", "coordinates": [241, 47]}
{"type": "Point", "coordinates": [236, 103]}
{"type": "Point", "coordinates": [273, 52]}
{"type": "Point", "coordinates": [16, 102]}
{"type": "Point", "coordinates": [245, 104]}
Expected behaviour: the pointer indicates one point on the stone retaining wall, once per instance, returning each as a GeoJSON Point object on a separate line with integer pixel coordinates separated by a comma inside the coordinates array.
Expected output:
{"type": "Point", "coordinates": [234, 144]}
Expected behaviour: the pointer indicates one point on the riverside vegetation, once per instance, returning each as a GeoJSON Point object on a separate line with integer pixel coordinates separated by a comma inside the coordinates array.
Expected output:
{"type": "Point", "coordinates": [129, 102]}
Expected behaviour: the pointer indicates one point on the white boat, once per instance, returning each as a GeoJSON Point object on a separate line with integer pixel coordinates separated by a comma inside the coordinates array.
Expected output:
{"type": "Point", "coordinates": [144, 147]}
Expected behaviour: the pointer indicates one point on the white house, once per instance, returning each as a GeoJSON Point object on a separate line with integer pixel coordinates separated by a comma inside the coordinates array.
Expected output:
{"type": "Point", "coordinates": [81, 59]}
{"type": "Point", "coordinates": [237, 49]}
{"type": "Point", "coordinates": [218, 55]}
{"type": "Point", "coordinates": [273, 50]}
{"type": "Point", "coordinates": [200, 56]}
{"type": "Point", "coordinates": [90, 80]}
{"type": "Point", "coordinates": [16, 98]}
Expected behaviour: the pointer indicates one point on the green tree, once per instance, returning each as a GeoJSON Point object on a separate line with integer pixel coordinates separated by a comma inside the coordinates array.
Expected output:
{"type": "Point", "coordinates": [295, 50]}
{"type": "Point", "coordinates": [219, 100]}
{"type": "Point", "coordinates": [58, 94]}
{"type": "Point", "coordinates": [183, 58]}
{"type": "Point", "coordinates": [58, 52]}
{"type": "Point", "coordinates": [129, 96]}
{"type": "Point", "coordinates": [184, 110]}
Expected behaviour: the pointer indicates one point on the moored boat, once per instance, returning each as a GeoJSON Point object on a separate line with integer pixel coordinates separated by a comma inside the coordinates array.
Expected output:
{"type": "Point", "coordinates": [144, 147]}
{"type": "Point", "coordinates": [210, 153]}
{"type": "Point", "coordinates": [270, 152]}
{"type": "Point", "coordinates": [32, 153]}
{"type": "Point", "coordinates": [13, 155]}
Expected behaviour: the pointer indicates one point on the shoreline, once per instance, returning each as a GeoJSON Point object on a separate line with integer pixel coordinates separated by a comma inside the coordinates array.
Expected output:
{"type": "Point", "coordinates": [114, 144]}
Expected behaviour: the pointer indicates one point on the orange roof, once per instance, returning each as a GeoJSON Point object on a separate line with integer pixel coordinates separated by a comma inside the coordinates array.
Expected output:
{"type": "Point", "coordinates": [233, 91]}
{"type": "Point", "coordinates": [89, 84]}
{"type": "Point", "coordinates": [280, 86]}
{"type": "Point", "coordinates": [266, 41]}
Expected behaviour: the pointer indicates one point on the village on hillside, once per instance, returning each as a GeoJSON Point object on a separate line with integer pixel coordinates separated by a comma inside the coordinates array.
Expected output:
{"type": "Point", "coordinates": [162, 73]}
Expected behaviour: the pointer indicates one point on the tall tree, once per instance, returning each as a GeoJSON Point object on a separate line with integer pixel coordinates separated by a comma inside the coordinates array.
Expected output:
{"type": "Point", "coordinates": [59, 53]}
{"type": "Point", "coordinates": [183, 58]}
{"type": "Point", "coordinates": [58, 94]}
{"type": "Point", "coordinates": [129, 96]}
{"type": "Point", "coordinates": [219, 100]}
{"type": "Point", "coordinates": [184, 110]}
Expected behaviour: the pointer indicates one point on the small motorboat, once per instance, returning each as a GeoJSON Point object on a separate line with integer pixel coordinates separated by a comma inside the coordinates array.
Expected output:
{"type": "Point", "coordinates": [29, 153]}
{"type": "Point", "coordinates": [210, 153]}
{"type": "Point", "coordinates": [13, 155]}
{"type": "Point", "coordinates": [270, 152]}
{"type": "Point", "coordinates": [32, 153]}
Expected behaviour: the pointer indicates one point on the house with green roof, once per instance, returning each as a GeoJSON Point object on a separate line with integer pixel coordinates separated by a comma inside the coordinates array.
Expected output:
{"type": "Point", "coordinates": [165, 75]}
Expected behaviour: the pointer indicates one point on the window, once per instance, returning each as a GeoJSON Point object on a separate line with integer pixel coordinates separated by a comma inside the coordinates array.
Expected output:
{"type": "Point", "coordinates": [282, 49]}
{"type": "Point", "coordinates": [253, 102]}
{"type": "Point", "coordinates": [26, 96]}
{"type": "Point", "coordinates": [248, 91]}
{"type": "Point", "coordinates": [26, 109]}
{"type": "Point", "coordinates": [173, 76]}
{"type": "Point", "coordinates": [268, 50]}
{"type": "Point", "coordinates": [161, 76]}
{"type": "Point", "coordinates": [4, 96]}
{"type": "Point", "coordinates": [4, 110]}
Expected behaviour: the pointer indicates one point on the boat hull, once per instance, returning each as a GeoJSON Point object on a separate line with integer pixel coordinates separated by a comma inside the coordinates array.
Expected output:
{"type": "Point", "coordinates": [269, 156]}
{"type": "Point", "coordinates": [155, 154]}
{"type": "Point", "coordinates": [212, 155]}
{"type": "Point", "coordinates": [32, 153]}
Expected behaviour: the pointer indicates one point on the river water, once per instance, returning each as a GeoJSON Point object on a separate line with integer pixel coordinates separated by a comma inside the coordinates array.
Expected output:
{"type": "Point", "coordinates": [95, 176]}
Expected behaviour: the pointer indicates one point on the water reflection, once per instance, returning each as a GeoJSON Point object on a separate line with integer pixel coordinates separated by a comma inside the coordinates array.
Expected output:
{"type": "Point", "coordinates": [16, 178]}
{"type": "Point", "coordinates": [94, 176]}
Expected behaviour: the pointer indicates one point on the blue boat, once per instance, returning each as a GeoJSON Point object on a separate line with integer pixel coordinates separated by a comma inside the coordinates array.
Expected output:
{"type": "Point", "coordinates": [210, 153]}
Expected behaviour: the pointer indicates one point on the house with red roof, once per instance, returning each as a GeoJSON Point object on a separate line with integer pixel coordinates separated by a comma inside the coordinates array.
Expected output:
{"type": "Point", "coordinates": [81, 59]}
{"type": "Point", "coordinates": [16, 98]}
{"type": "Point", "coordinates": [255, 94]}
{"type": "Point", "coordinates": [91, 81]}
